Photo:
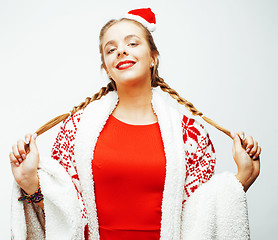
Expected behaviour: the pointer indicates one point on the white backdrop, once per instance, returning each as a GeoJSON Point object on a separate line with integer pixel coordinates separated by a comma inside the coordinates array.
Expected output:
{"type": "Point", "coordinates": [221, 55]}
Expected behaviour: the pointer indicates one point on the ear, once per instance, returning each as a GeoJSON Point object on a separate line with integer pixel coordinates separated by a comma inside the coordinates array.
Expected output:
{"type": "Point", "coordinates": [154, 60]}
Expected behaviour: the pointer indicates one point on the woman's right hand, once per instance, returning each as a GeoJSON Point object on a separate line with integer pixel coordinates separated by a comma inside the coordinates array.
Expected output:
{"type": "Point", "coordinates": [24, 163]}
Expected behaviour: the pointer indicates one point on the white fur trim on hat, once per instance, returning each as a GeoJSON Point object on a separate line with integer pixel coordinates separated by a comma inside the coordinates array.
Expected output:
{"type": "Point", "coordinates": [150, 26]}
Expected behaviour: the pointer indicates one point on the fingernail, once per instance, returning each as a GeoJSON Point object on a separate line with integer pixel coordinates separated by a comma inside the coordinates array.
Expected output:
{"type": "Point", "coordinates": [23, 156]}
{"type": "Point", "coordinates": [247, 150]}
{"type": "Point", "coordinates": [20, 159]}
{"type": "Point", "coordinates": [255, 157]}
{"type": "Point", "coordinates": [250, 154]}
{"type": "Point", "coordinates": [242, 136]}
{"type": "Point", "coordinates": [27, 140]}
{"type": "Point", "coordinates": [17, 164]}
{"type": "Point", "coordinates": [35, 136]}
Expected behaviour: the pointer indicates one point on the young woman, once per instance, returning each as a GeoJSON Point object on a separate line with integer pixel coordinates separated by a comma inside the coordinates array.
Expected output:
{"type": "Point", "coordinates": [126, 162]}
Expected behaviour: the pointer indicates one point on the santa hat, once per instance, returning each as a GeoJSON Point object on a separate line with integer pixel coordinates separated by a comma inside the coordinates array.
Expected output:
{"type": "Point", "coordinates": [144, 16]}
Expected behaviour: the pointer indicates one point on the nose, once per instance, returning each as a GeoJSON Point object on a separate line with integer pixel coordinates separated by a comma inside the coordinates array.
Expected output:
{"type": "Point", "coordinates": [122, 51]}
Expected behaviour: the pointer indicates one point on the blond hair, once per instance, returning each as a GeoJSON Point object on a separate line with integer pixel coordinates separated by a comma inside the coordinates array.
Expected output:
{"type": "Point", "coordinates": [111, 86]}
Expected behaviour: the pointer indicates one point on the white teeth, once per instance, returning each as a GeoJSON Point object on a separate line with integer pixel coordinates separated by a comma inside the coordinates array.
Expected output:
{"type": "Point", "coordinates": [125, 64]}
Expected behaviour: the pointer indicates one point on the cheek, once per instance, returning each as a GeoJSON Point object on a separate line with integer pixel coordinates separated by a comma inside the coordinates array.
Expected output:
{"type": "Point", "coordinates": [146, 56]}
{"type": "Point", "coordinates": [141, 55]}
{"type": "Point", "coordinates": [147, 60]}
{"type": "Point", "coordinates": [108, 62]}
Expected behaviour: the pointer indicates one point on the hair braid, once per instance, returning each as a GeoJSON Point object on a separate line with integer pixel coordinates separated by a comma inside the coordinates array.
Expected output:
{"type": "Point", "coordinates": [166, 88]}
{"type": "Point", "coordinates": [53, 122]}
{"type": "Point", "coordinates": [156, 81]}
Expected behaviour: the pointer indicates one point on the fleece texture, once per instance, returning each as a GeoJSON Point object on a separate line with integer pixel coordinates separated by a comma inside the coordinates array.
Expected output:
{"type": "Point", "coordinates": [195, 205]}
{"type": "Point", "coordinates": [216, 210]}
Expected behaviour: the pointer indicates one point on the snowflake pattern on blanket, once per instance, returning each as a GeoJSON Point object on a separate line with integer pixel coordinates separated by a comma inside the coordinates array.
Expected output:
{"type": "Point", "coordinates": [200, 155]}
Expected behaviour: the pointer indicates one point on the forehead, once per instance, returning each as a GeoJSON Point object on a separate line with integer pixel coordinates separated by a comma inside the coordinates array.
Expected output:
{"type": "Point", "coordinates": [122, 29]}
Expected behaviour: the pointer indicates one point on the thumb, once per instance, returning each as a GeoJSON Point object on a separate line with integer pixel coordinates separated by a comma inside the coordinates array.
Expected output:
{"type": "Point", "coordinates": [33, 144]}
{"type": "Point", "coordinates": [237, 142]}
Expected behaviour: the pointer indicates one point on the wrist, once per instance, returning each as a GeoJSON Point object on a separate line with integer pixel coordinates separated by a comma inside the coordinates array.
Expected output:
{"type": "Point", "coordinates": [243, 178]}
{"type": "Point", "coordinates": [30, 185]}
{"type": "Point", "coordinates": [244, 173]}
{"type": "Point", "coordinates": [36, 197]}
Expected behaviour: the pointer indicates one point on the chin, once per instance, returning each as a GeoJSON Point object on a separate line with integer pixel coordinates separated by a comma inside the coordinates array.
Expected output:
{"type": "Point", "coordinates": [132, 80]}
{"type": "Point", "coordinates": [130, 77]}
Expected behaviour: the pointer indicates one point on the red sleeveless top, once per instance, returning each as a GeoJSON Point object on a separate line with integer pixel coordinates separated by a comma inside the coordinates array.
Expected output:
{"type": "Point", "coordinates": [129, 168]}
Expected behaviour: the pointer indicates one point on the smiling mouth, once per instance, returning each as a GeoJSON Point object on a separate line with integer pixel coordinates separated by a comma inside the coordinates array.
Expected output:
{"type": "Point", "coordinates": [125, 64]}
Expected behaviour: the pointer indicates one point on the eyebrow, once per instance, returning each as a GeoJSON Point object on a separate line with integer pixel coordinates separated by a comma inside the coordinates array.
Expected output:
{"type": "Point", "coordinates": [126, 38]}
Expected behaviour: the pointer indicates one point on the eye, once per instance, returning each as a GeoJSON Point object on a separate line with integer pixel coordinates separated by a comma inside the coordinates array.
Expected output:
{"type": "Point", "coordinates": [132, 44]}
{"type": "Point", "coordinates": [111, 50]}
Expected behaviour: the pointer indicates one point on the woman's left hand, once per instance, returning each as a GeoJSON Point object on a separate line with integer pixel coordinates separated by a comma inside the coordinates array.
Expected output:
{"type": "Point", "coordinates": [247, 160]}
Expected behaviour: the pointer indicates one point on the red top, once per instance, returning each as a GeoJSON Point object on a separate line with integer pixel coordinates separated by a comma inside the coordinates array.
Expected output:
{"type": "Point", "coordinates": [129, 169]}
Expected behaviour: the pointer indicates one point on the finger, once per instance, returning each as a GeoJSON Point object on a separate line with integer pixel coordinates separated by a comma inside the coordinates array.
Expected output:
{"type": "Point", "coordinates": [16, 153]}
{"type": "Point", "coordinates": [27, 142]}
{"type": "Point", "coordinates": [21, 149]}
{"type": "Point", "coordinates": [256, 156]}
{"type": "Point", "coordinates": [33, 144]}
{"type": "Point", "coordinates": [257, 168]}
{"type": "Point", "coordinates": [237, 141]}
{"type": "Point", "coordinates": [249, 143]}
{"type": "Point", "coordinates": [13, 159]}
{"type": "Point", "coordinates": [27, 138]}
{"type": "Point", "coordinates": [241, 134]}
{"type": "Point", "coordinates": [237, 147]}
{"type": "Point", "coordinates": [254, 149]}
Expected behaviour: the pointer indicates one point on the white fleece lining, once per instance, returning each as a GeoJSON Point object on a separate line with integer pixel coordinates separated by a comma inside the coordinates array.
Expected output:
{"type": "Point", "coordinates": [215, 211]}
{"type": "Point", "coordinates": [60, 199]}
{"type": "Point", "coordinates": [91, 124]}
{"type": "Point", "coordinates": [171, 131]}
{"type": "Point", "coordinates": [19, 230]}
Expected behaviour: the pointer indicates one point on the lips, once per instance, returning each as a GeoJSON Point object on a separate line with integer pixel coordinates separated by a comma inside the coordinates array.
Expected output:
{"type": "Point", "coordinates": [125, 64]}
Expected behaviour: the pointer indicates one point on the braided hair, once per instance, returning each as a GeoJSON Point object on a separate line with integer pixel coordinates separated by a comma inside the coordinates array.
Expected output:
{"type": "Point", "coordinates": [156, 81]}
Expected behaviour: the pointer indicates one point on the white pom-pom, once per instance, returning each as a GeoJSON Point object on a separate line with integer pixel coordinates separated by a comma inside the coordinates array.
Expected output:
{"type": "Point", "coordinates": [151, 27]}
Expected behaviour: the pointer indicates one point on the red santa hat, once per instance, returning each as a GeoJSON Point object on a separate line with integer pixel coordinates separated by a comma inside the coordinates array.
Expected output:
{"type": "Point", "coordinates": [144, 16]}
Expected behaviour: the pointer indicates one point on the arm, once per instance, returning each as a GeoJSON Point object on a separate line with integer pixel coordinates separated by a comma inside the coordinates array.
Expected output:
{"type": "Point", "coordinates": [64, 213]}
{"type": "Point", "coordinates": [24, 165]}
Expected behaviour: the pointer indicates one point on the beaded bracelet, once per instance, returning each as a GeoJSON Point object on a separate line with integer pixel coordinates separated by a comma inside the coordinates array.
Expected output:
{"type": "Point", "coordinates": [35, 198]}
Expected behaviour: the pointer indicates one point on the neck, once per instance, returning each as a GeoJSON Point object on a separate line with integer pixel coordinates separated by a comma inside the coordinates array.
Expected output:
{"type": "Point", "coordinates": [135, 104]}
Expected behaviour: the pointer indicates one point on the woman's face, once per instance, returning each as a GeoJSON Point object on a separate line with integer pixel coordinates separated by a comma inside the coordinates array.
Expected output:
{"type": "Point", "coordinates": [126, 53]}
